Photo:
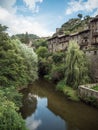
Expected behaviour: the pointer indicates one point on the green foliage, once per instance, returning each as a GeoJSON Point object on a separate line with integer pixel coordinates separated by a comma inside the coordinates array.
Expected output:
{"type": "Point", "coordinates": [69, 92]}
{"type": "Point", "coordinates": [42, 51]}
{"type": "Point", "coordinates": [76, 66]}
{"type": "Point", "coordinates": [58, 57]}
{"type": "Point", "coordinates": [57, 72]}
{"type": "Point", "coordinates": [95, 87]}
{"type": "Point", "coordinates": [91, 101]}
{"type": "Point", "coordinates": [61, 85]}
{"type": "Point", "coordinates": [75, 25]}
{"type": "Point", "coordinates": [80, 16]}
{"type": "Point", "coordinates": [30, 62]}
{"type": "Point", "coordinates": [9, 118]}
{"type": "Point", "coordinates": [27, 39]}
{"type": "Point", "coordinates": [12, 95]}
{"type": "Point", "coordinates": [18, 67]}
{"type": "Point", "coordinates": [22, 37]}
{"type": "Point", "coordinates": [40, 42]}
{"type": "Point", "coordinates": [44, 66]}
{"type": "Point", "coordinates": [51, 66]}
{"type": "Point", "coordinates": [2, 28]}
{"type": "Point", "coordinates": [18, 63]}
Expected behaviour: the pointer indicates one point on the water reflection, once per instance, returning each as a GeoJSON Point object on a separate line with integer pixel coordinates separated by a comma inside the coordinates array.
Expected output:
{"type": "Point", "coordinates": [29, 105]}
{"type": "Point", "coordinates": [32, 124]}
{"type": "Point", "coordinates": [45, 109]}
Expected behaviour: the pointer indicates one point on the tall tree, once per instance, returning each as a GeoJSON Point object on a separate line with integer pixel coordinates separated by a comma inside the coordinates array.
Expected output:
{"type": "Point", "coordinates": [27, 40]}
{"type": "Point", "coordinates": [76, 67]}
{"type": "Point", "coordinates": [80, 16]}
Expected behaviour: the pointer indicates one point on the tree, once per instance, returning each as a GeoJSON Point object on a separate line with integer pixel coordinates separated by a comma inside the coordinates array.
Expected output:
{"type": "Point", "coordinates": [18, 63]}
{"type": "Point", "coordinates": [2, 28]}
{"type": "Point", "coordinates": [42, 51]}
{"type": "Point", "coordinates": [87, 17]}
{"type": "Point", "coordinates": [58, 57]}
{"type": "Point", "coordinates": [80, 16]}
{"type": "Point", "coordinates": [40, 42]}
{"type": "Point", "coordinates": [76, 66]}
{"type": "Point", "coordinates": [30, 62]}
{"type": "Point", "coordinates": [27, 40]}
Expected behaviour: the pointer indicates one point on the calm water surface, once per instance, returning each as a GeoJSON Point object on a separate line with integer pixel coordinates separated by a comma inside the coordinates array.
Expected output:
{"type": "Point", "coordinates": [46, 109]}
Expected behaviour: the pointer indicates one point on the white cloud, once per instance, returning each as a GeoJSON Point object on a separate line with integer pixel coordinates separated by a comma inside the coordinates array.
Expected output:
{"type": "Point", "coordinates": [8, 5]}
{"type": "Point", "coordinates": [33, 124]}
{"type": "Point", "coordinates": [95, 13]}
{"type": "Point", "coordinates": [22, 24]}
{"type": "Point", "coordinates": [32, 4]}
{"type": "Point", "coordinates": [81, 5]}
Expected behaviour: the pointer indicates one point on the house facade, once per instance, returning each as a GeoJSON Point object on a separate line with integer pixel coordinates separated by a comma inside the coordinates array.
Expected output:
{"type": "Point", "coordinates": [86, 38]}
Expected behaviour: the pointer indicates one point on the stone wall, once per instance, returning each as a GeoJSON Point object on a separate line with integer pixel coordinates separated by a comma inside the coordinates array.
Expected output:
{"type": "Point", "coordinates": [88, 95]}
{"type": "Point", "coordinates": [93, 58]}
{"type": "Point", "coordinates": [86, 91]}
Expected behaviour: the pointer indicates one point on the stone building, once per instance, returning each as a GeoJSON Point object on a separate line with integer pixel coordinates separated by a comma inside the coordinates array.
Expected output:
{"type": "Point", "coordinates": [88, 41]}
{"type": "Point", "coordinates": [94, 32]}
{"type": "Point", "coordinates": [86, 38]}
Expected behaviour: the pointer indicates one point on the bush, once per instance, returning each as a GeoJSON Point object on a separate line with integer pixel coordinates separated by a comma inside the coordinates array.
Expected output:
{"type": "Point", "coordinates": [58, 57]}
{"type": "Point", "coordinates": [9, 118]}
{"type": "Point", "coordinates": [69, 92]}
{"type": "Point", "coordinates": [12, 95]}
{"type": "Point", "coordinates": [61, 85]}
{"type": "Point", "coordinates": [42, 51]}
{"type": "Point", "coordinates": [57, 72]}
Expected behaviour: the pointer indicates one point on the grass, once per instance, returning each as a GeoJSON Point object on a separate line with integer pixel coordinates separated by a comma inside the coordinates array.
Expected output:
{"type": "Point", "coordinates": [95, 87]}
{"type": "Point", "coordinates": [69, 92]}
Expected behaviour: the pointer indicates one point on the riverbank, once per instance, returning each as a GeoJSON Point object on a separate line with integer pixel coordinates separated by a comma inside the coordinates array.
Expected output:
{"type": "Point", "coordinates": [69, 92]}
{"type": "Point", "coordinates": [49, 108]}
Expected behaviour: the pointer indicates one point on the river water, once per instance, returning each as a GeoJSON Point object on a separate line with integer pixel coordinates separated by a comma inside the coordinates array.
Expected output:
{"type": "Point", "coordinates": [46, 109]}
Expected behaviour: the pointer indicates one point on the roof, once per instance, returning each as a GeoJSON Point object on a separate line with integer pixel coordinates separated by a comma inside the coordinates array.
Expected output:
{"type": "Point", "coordinates": [84, 31]}
{"type": "Point", "coordinates": [94, 19]}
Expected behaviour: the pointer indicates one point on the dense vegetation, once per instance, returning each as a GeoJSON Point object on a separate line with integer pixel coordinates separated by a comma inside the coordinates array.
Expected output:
{"type": "Point", "coordinates": [70, 68]}
{"type": "Point", "coordinates": [74, 25]}
{"type": "Point", "coordinates": [76, 67]}
{"type": "Point", "coordinates": [18, 68]}
{"type": "Point", "coordinates": [25, 38]}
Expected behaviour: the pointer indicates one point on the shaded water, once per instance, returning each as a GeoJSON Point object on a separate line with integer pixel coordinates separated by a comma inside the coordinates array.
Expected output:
{"type": "Point", "coordinates": [46, 109]}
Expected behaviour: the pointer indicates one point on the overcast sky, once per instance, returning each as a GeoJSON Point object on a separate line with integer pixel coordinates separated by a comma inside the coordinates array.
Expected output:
{"type": "Point", "coordinates": [42, 17]}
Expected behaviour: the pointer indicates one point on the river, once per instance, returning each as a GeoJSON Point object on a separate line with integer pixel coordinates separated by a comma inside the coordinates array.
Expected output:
{"type": "Point", "coordinates": [46, 109]}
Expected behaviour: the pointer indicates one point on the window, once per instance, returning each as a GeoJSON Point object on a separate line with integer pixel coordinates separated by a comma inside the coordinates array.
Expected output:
{"type": "Point", "coordinates": [95, 52]}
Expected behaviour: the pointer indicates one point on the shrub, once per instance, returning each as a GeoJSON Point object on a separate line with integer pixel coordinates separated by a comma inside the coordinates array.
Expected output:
{"type": "Point", "coordinates": [57, 72]}
{"type": "Point", "coordinates": [69, 92]}
{"type": "Point", "coordinates": [9, 118]}
{"type": "Point", "coordinates": [12, 95]}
